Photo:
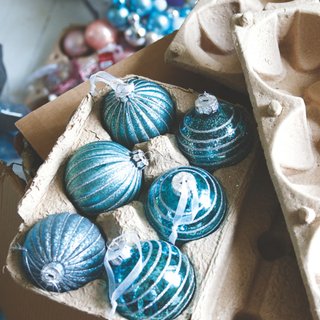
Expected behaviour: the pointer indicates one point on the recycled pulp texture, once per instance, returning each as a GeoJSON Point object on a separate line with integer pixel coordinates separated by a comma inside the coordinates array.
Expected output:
{"type": "Point", "coordinates": [279, 53]}
{"type": "Point", "coordinates": [46, 196]}
{"type": "Point", "coordinates": [204, 42]}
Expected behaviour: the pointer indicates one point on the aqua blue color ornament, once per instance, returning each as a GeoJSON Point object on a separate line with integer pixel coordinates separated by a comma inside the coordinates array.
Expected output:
{"type": "Point", "coordinates": [185, 204]}
{"type": "Point", "coordinates": [214, 135]}
{"type": "Point", "coordinates": [117, 16]}
{"type": "Point", "coordinates": [184, 11]}
{"type": "Point", "coordinates": [161, 280]}
{"type": "Point", "coordinates": [143, 112]}
{"type": "Point", "coordinates": [159, 22]}
{"type": "Point", "coordinates": [63, 252]}
{"type": "Point", "coordinates": [141, 7]}
{"type": "Point", "coordinates": [103, 176]}
{"type": "Point", "coordinates": [119, 3]}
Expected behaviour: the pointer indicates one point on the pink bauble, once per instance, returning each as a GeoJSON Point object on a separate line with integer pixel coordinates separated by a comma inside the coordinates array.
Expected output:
{"type": "Point", "coordinates": [99, 33]}
{"type": "Point", "coordinates": [74, 44]}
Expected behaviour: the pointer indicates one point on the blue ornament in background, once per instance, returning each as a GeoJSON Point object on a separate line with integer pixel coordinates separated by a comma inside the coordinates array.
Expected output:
{"type": "Point", "coordinates": [63, 252]}
{"type": "Point", "coordinates": [214, 135]}
{"type": "Point", "coordinates": [117, 16]}
{"type": "Point", "coordinates": [144, 113]}
{"type": "Point", "coordinates": [119, 3]}
{"type": "Point", "coordinates": [185, 200]}
{"type": "Point", "coordinates": [8, 152]}
{"type": "Point", "coordinates": [164, 286]}
{"type": "Point", "coordinates": [160, 5]}
{"type": "Point", "coordinates": [103, 176]}
{"type": "Point", "coordinates": [184, 11]}
{"type": "Point", "coordinates": [141, 7]}
{"type": "Point", "coordinates": [159, 22]}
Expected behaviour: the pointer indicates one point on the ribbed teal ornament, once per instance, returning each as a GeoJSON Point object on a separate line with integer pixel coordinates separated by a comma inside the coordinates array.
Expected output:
{"type": "Point", "coordinates": [103, 175]}
{"type": "Point", "coordinates": [144, 113]}
{"type": "Point", "coordinates": [205, 200]}
{"type": "Point", "coordinates": [63, 252]}
{"type": "Point", "coordinates": [164, 286]}
{"type": "Point", "coordinates": [214, 135]}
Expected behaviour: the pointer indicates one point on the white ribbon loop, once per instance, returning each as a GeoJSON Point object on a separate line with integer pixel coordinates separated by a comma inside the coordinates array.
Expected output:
{"type": "Point", "coordinates": [121, 88]}
{"type": "Point", "coordinates": [115, 254]}
{"type": "Point", "coordinates": [188, 187]}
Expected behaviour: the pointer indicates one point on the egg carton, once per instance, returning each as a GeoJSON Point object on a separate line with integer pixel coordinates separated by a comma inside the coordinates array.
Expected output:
{"type": "Point", "coordinates": [279, 53]}
{"type": "Point", "coordinates": [204, 42]}
{"type": "Point", "coordinates": [230, 266]}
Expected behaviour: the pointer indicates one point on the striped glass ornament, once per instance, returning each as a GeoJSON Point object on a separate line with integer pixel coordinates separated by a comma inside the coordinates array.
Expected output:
{"type": "Point", "coordinates": [164, 198]}
{"type": "Point", "coordinates": [103, 176]}
{"type": "Point", "coordinates": [63, 252]}
{"type": "Point", "coordinates": [144, 113]}
{"type": "Point", "coordinates": [164, 286]}
{"type": "Point", "coordinates": [214, 135]}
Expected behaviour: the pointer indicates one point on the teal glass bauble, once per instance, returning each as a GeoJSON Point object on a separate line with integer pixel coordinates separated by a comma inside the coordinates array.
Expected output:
{"type": "Point", "coordinates": [63, 252]}
{"type": "Point", "coordinates": [144, 113]}
{"type": "Point", "coordinates": [163, 288]}
{"type": "Point", "coordinates": [117, 16]}
{"type": "Point", "coordinates": [103, 176]}
{"type": "Point", "coordinates": [214, 134]}
{"type": "Point", "coordinates": [163, 200]}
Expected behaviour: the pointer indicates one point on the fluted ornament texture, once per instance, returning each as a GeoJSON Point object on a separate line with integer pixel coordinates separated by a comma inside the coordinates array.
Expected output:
{"type": "Point", "coordinates": [103, 176]}
{"type": "Point", "coordinates": [145, 113]}
{"type": "Point", "coordinates": [63, 252]}
{"type": "Point", "coordinates": [211, 141]}
{"type": "Point", "coordinates": [162, 202]}
{"type": "Point", "coordinates": [164, 287]}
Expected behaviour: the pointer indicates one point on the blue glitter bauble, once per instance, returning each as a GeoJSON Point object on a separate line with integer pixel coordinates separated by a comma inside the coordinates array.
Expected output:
{"type": "Point", "coordinates": [213, 139]}
{"type": "Point", "coordinates": [164, 287]}
{"type": "Point", "coordinates": [104, 175]}
{"type": "Point", "coordinates": [163, 198]}
{"type": "Point", "coordinates": [141, 7]}
{"type": "Point", "coordinates": [63, 252]}
{"type": "Point", "coordinates": [117, 16]}
{"type": "Point", "coordinates": [159, 22]}
{"type": "Point", "coordinates": [145, 113]}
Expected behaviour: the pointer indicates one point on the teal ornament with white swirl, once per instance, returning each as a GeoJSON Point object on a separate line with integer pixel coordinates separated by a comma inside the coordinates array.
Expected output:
{"type": "Point", "coordinates": [162, 287]}
{"type": "Point", "coordinates": [185, 204]}
{"type": "Point", "coordinates": [145, 110]}
{"type": "Point", "coordinates": [63, 252]}
{"type": "Point", "coordinates": [214, 134]}
{"type": "Point", "coordinates": [103, 176]}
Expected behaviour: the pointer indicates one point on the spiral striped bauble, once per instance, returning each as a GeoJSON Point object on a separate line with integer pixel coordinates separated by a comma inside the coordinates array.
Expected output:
{"type": "Point", "coordinates": [163, 198]}
{"type": "Point", "coordinates": [103, 176]}
{"type": "Point", "coordinates": [216, 139]}
{"type": "Point", "coordinates": [145, 113]}
{"type": "Point", "coordinates": [164, 287]}
{"type": "Point", "coordinates": [63, 252]}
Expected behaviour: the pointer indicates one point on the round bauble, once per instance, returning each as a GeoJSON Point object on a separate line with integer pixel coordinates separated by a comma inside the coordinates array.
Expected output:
{"type": "Point", "coordinates": [135, 35]}
{"type": "Point", "coordinates": [159, 22]}
{"type": "Point", "coordinates": [103, 176]}
{"type": "Point", "coordinates": [141, 7]}
{"type": "Point", "coordinates": [163, 288]}
{"type": "Point", "coordinates": [118, 16]}
{"type": "Point", "coordinates": [74, 44]}
{"type": "Point", "coordinates": [63, 252]}
{"type": "Point", "coordinates": [185, 200]}
{"type": "Point", "coordinates": [214, 134]}
{"type": "Point", "coordinates": [99, 33]}
{"type": "Point", "coordinates": [144, 113]}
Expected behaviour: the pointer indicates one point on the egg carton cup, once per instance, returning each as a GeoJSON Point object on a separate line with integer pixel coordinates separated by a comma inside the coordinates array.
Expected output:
{"type": "Point", "coordinates": [279, 53]}
{"type": "Point", "coordinates": [204, 42]}
{"type": "Point", "coordinates": [230, 269]}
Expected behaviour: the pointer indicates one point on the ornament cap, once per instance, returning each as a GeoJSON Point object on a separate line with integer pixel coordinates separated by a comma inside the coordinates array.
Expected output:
{"type": "Point", "coordinates": [206, 104]}
{"type": "Point", "coordinates": [119, 252]}
{"type": "Point", "coordinates": [139, 159]}
{"type": "Point", "coordinates": [52, 273]}
{"type": "Point", "coordinates": [179, 179]}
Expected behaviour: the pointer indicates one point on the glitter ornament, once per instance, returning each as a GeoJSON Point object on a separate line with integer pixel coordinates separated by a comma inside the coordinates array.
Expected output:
{"type": "Point", "coordinates": [214, 135]}
{"type": "Point", "coordinates": [142, 113]}
{"type": "Point", "coordinates": [185, 204]}
{"type": "Point", "coordinates": [149, 280]}
{"type": "Point", "coordinates": [63, 252]}
{"type": "Point", "coordinates": [103, 176]}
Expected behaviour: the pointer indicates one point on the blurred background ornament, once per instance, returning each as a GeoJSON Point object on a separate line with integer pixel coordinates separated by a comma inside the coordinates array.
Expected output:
{"type": "Point", "coordinates": [135, 35]}
{"type": "Point", "coordinates": [100, 33]}
{"type": "Point", "coordinates": [141, 7]}
{"type": "Point", "coordinates": [74, 43]}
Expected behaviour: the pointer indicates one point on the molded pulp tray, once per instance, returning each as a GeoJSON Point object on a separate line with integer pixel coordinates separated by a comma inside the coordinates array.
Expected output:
{"type": "Point", "coordinates": [238, 274]}
{"type": "Point", "coordinates": [279, 52]}
{"type": "Point", "coordinates": [204, 43]}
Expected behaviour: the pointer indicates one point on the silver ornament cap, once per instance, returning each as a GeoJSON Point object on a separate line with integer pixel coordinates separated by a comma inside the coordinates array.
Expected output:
{"type": "Point", "coordinates": [206, 104]}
